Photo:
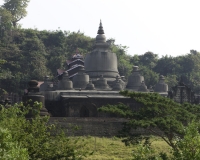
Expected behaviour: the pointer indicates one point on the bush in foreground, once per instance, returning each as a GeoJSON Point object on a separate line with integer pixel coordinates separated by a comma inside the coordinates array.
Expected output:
{"type": "Point", "coordinates": [9, 148]}
{"type": "Point", "coordinates": [34, 136]}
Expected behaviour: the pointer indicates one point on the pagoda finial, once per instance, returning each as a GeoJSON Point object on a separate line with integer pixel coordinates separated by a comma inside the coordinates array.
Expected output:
{"type": "Point", "coordinates": [100, 31]}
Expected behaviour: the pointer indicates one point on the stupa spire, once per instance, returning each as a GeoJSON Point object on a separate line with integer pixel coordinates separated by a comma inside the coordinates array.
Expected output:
{"type": "Point", "coordinates": [100, 31]}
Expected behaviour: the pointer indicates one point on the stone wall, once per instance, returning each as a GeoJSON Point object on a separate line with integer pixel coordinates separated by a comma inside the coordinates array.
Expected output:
{"type": "Point", "coordinates": [80, 108]}
{"type": "Point", "coordinates": [86, 107]}
{"type": "Point", "coordinates": [101, 127]}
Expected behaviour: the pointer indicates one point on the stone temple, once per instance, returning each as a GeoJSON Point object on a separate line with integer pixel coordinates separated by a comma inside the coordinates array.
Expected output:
{"type": "Point", "coordinates": [101, 61]}
{"type": "Point", "coordinates": [91, 82]}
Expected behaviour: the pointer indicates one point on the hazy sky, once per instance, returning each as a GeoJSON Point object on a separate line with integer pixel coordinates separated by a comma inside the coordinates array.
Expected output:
{"type": "Point", "coordinates": [165, 27]}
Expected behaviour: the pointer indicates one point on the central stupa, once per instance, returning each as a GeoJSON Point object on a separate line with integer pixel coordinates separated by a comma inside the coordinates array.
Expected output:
{"type": "Point", "coordinates": [101, 61]}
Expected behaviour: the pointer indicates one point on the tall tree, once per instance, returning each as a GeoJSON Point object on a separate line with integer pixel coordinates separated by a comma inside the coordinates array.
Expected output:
{"type": "Point", "coordinates": [17, 8]}
{"type": "Point", "coordinates": [157, 115]}
{"type": "Point", "coordinates": [5, 19]}
{"type": "Point", "coordinates": [124, 66]}
{"type": "Point", "coordinates": [150, 77]}
{"type": "Point", "coordinates": [78, 40]}
{"type": "Point", "coordinates": [167, 65]}
{"type": "Point", "coordinates": [149, 59]}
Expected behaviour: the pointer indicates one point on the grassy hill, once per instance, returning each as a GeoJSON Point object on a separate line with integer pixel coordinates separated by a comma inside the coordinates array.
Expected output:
{"type": "Point", "coordinates": [114, 149]}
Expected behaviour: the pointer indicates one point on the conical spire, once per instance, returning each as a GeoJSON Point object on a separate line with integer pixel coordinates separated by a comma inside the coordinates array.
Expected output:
{"type": "Point", "coordinates": [100, 31]}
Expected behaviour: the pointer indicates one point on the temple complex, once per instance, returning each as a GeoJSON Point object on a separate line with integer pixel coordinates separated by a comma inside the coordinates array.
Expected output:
{"type": "Point", "coordinates": [93, 81]}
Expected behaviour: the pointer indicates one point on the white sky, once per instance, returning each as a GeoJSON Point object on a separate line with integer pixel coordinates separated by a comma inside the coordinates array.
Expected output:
{"type": "Point", "coordinates": [165, 27]}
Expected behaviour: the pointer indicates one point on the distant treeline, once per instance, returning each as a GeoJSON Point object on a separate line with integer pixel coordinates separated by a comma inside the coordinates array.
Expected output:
{"type": "Point", "coordinates": [31, 54]}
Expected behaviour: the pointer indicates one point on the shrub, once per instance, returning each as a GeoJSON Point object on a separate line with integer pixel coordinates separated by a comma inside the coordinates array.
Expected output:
{"type": "Point", "coordinates": [39, 138]}
{"type": "Point", "coordinates": [11, 149]}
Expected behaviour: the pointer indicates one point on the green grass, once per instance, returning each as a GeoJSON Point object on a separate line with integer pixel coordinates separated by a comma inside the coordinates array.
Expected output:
{"type": "Point", "coordinates": [115, 149]}
{"type": "Point", "coordinates": [160, 145]}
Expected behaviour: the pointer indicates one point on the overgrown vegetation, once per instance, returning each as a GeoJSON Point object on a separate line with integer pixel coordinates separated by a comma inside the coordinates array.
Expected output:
{"type": "Point", "coordinates": [23, 139]}
{"type": "Point", "coordinates": [114, 148]}
{"type": "Point", "coordinates": [34, 138]}
{"type": "Point", "coordinates": [177, 124]}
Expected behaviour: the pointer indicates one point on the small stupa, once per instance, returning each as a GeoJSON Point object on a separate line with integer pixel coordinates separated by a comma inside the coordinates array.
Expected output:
{"type": "Point", "coordinates": [161, 86]}
{"type": "Point", "coordinates": [117, 86]}
{"type": "Point", "coordinates": [135, 79]}
{"type": "Point", "coordinates": [102, 84]}
{"type": "Point", "coordinates": [143, 88]}
{"type": "Point", "coordinates": [81, 79]}
{"type": "Point", "coordinates": [65, 83]}
{"type": "Point", "coordinates": [90, 86]}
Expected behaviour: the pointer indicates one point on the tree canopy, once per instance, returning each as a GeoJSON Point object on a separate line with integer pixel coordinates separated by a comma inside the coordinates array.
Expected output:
{"type": "Point", "coordinates": [33, 54]}
{"type": "Point", "coordinates": [158, 115]}
{"type": "Point", "coordinates": [17, 8]}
